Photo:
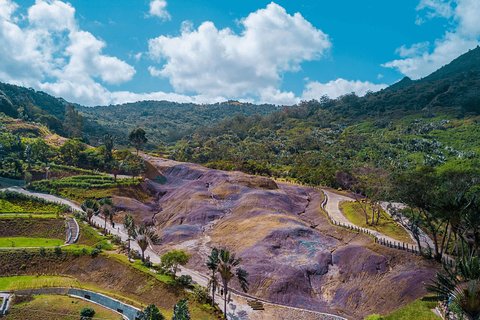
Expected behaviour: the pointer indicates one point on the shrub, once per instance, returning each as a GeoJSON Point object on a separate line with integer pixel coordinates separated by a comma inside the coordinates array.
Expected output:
{"type": "Point", "coordinates": [87, 313]}
{"type": "Point", "coordinates": [43, 252]}
{"type": "Point", "coordinates": [374, 317]}
{"type": "Point", "coordinates": [57, 251]}
{"type": "Point", "coordinates": [184, 281]}
{"type": "Point", "coordinates": [200, 294]}
{"type": "Point", "coordinates": [95, 252]}
{"type": "Point", "coordinates": [151, 312]}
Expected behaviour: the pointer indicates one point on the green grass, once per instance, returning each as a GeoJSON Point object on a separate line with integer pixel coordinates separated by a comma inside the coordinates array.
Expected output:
{"type": "Point", "coordinates": [16, 203]}
{"type": "Point", "coordinates": [386, 224]}
{"type": "Point", "coordinates": [28, 215]}
{"type": "Point", "coordinates": [23, 242]}
{"type": "Point", "coordinates": [137, 264]}
{"type": "Point", "coordinates": [420, 309]}
{"type": "Point", "coordinates": [57, 307]}
{"type": "Point", "coordinates": [34, 282]}
{"type": "Point", "coordinates": [91, 237]}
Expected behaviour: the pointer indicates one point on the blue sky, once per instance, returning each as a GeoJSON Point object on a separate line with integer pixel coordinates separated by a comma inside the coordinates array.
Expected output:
{"type": "Point", "coordinates": [103, 51]}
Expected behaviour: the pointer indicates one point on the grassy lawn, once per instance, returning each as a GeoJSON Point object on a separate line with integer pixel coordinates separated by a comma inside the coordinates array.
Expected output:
{"type": "Point", "coordinates": [91, 237]}
{"type": "Point", "coordinates": [23, 205]}
{"type": "Point", "coordinates": [22, 242]}
{"type": "Point", "coordinates": [33, 282]}
{"type": "Point", "coordinates": [418, 310]}
{"type": "Point", "coordinates": [56, 307]}
{"type": "Point", "coordinates": [386, 224]}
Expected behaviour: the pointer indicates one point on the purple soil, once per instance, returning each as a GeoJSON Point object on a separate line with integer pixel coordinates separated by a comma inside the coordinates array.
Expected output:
{"type": "Point", "coordinates": [293, 254]}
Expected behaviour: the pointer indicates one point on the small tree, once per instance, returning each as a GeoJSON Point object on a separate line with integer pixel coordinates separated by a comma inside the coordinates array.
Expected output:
{"type": "Point", "coordinates": [129, 225]}
{"type": "Point", "coordinates": [107, 210]}
{"type": "Point", "coordinates": [151, 312]}
{"type": "Point", "coordinates": [180, 311]}
{"type": "Point", "coordinates": [91, 208]}
{"type": "Point", "coordinates": [137, 138]}
{"type": "Point", "coordinates": [172, 259]}
{"type": "Point", "coordinates": [212, 264]}
{"type": "Point", "coordinates": [146, 236]}
{"type": "Point", "coordinates": [86, 313]}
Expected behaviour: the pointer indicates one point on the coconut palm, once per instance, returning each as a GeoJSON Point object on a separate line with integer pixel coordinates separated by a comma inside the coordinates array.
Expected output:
{"type": "Point", "coordinates": [459, 287]}
{"type": "Point", "coordinates": [107, 210]}
{"type": "Point", "coordinates": [228, 269]}
{"type": "Point", "coordinates": [146, 236]}
{"type": "Point", "coordinates": [129, 225]}
{"type": "Point", "coordinates": [212, 264]}
{"type": "Point", "coordinates": [91, 208]}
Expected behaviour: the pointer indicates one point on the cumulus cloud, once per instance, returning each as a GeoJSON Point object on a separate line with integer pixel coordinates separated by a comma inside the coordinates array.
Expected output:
{"type": "Point", "coordinates": [219, 62]}
{"type": "Point", "coordinates": [49, 51]}
{"type": "Point", "coordinates": [158, 8]}
{"type": "Point", "coordinates": [339, 87]}
{"type": "Point", "coordinates": [464, 34]}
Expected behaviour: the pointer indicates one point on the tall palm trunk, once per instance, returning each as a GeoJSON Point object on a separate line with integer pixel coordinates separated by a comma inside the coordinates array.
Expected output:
{"type": "Point", "coordinates": [225, 289]}
{"type": "Point", "coordinates": [214, 288]}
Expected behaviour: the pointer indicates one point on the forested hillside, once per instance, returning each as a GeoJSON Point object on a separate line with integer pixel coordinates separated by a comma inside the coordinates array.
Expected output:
{"type": "Point", "coordinates": [164, 122]}
{"type": "Point", "coordinates": [433, 121]}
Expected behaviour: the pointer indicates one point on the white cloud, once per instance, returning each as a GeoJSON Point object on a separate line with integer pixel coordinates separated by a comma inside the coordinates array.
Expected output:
{"type": "Point", "coordinates": [219, 62]}
{"type": "Point", "coordinates": [339, 87]}
{"type": "Point", "coordinates": [158, 8]}
{"type": "Point", "coordinates": [417, 61]}
{"type": "Point", "coordinates": [48, 51]}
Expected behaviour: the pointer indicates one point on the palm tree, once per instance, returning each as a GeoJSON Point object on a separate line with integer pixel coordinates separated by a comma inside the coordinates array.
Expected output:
{"type": "Point", "coordinates": [460, 287]}
{"type": "Point", "coordinates": [129, 225]}
{"type": "Point", "coordinates": [107, 210]}
{"type": "Point", "coordinates": [91, 208]}
{"type": "Point", "coordinates": [212, 264]}
{"type": "Point", "coordinates": [145, 236]}
{"type": "Point", "coordinates": [228, 268]}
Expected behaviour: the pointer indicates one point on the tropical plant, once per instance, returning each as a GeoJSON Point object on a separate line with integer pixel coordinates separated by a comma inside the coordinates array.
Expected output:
{"type": "Point", "coordinates": [129, 225]}
{"type": "Point", "coordinates": [91, 208]}
{"type": "Point", "coordinates": [107, 210]}
{"type": "Point", "coordinates": [180, 310]}
{"type": "Point", "coordinates": [459, 287]}
{"type": "Point", "coordinates": [145, 236]}
{"type": "Point", "coordinates": [228, 269]}
{"type": "Point", "coordinates": [212, 264]}
{"type": "Point", "coordinates": [172, 259]}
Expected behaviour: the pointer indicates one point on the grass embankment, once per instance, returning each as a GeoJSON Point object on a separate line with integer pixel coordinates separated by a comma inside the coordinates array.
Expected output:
{"type": "Point", "coordinates": [34, 282]}
{"type": "Point", "coordinates": [23, 242]}
{"type": "Point", "coordinates": [16, 203]}
{"type": "Point", "coordinates": [90, 236]}
{"type": "Point", "coordinates": [386, 225]}
{"type": "Point", "coordinates": [81, 187]}
{"type": "Point", "coordinates": [32, 228]}
{"type": "Point", "coordinates": [420, 309]}
{"type": "Point", "coordinates": [56, 307]}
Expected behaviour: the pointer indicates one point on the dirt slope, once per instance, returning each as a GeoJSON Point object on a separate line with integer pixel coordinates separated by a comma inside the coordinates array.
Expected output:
{"type": "Point", "coordinates": [292, 253]}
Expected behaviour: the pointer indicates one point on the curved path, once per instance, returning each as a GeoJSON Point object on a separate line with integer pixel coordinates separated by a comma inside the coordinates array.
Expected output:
{"type": "Point", "coordinates": [237, 308]}
{"type": "Point", "coordinates": [332, 207]}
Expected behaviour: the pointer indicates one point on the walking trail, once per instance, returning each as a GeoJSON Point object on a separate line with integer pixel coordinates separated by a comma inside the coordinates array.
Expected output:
{"type": "Point", "coordinates": [333, 209]}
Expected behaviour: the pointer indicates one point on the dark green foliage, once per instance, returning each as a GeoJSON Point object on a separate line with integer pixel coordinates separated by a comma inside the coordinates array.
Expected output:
{"type": "Point", "coordinates": [86, 313]}
{"type": "Point", "coordinates": [180, 310]}
{"type": "Point", "coordinates": [151, 312]}
{"type": "Point", "coordinates": [137, 138]}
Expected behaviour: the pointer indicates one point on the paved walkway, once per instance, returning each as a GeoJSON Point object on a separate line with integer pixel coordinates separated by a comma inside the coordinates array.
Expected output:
{"type": "Point", "coordinates": [333, 209]}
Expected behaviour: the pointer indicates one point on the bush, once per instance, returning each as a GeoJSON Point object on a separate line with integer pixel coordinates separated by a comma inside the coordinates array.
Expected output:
{"type": "Point", "coordinates": [374, 317]}
{"type": "Point", "coordinates": [57, 251]}
{"type": "Point", "coordinates": [200, 294]}
{"type": "Point", "coordinates": [87, 313]}
{"type": "Point", "coordinates": [116, 239]}
{"type": "Point", "coordinates": [43, 252]}
{"type": "Point", "coordinates": [151, 312]}
{"type": "Point", "coordinates": [95, 252]}
{"type": "Point", "coordinates": [184, 281]}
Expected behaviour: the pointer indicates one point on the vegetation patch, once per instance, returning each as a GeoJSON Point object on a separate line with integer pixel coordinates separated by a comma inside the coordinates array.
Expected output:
{"type": "Point", "coordinates": [91, 237]}
{"type": "Point", "coordinates": [386, 224]}
{"type": "Point", "coordinates": [32, 228]}
{"type": "Point", "coordinates": [56, 307]}
{"type": "Point", "coordinates": [420, 309]}
{"type": "Point", "coordinates": [34, 282]}
{"type": "Point", "coordinates": [23, 242]}
{"type": "Point", "coordinates": [13, 202]}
